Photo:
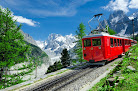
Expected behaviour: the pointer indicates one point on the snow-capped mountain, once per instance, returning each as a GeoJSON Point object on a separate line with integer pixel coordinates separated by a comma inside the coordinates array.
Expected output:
{"type": "Point", "coordinates": [55, 43]}
{"type": "Point", "coordinates": [41, 44]}
{"type": "Point", "coordinates": [129, 30]}
{"type": "Point", "coordinates": [134, 15]}
{"type": "Point", "coordinates": [114, 19]}
{"type": "Point", "coordinates": [121, 23]}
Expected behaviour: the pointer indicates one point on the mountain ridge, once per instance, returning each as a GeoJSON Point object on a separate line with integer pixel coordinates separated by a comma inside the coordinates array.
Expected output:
{"type": "Point", "coordinates": [121, 23]}
{"type": "Point", "coordinates": [55, 43]}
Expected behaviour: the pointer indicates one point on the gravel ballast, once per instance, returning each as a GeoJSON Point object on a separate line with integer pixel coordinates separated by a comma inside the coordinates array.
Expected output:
{"type": "Point", "coordinates": [86, 82]}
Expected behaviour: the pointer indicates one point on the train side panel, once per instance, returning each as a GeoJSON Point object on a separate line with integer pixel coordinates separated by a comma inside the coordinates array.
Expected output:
{"type": "Point", "coordinates": [107, 50]}
{"type": "Point", "coordinates": [115, 47]}
{"type": "Point", "coordinates": [126, 45]}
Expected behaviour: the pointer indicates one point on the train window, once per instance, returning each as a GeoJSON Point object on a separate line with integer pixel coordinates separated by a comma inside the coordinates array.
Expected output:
{"type": "Point", "coordinates": [115, 42]}
{"type": "Point", "coordinates": [118, 41]}
{"type": "Point", "coordinates": [125, 42]}
{"type": "Point", "coordinates": [96, 42]}
{"type": "Point", "coordinates": [87, 42]}
{"type": "Point", "coordinates": [111, 42]}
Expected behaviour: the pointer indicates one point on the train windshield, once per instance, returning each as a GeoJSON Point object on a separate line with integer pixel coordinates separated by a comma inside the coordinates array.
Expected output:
{"type": "Point", "coordinates": [96, 42]}
{"type": "Point", "coordinates": [87, 42]}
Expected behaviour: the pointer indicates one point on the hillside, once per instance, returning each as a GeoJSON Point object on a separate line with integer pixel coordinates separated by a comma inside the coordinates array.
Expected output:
{"type": "Point", "coordinates": [123, 77]}
{"type": "Point", "coordinates": [27, 70]}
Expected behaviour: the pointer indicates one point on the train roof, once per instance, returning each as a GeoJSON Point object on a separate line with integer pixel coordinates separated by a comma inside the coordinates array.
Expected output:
{"type": "Point", "coordinates": [103, 34]}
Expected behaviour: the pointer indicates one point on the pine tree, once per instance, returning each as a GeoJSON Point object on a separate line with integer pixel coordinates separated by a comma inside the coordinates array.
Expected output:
{"type": "Point", "coordinates": [111, 31]}
{"type": "Point", "coordinates": [79, 35]}
{"type": "Point", "coordinates": [65, 58]}
{"type": "Point", "coordinates": [13, 49]}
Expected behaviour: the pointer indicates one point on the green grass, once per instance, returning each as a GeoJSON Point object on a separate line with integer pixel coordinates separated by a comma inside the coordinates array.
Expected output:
{"type": "Point", "coordinates": [130, 81]}
{"type": "Point", "coordinates": [98, 85]}
{"type": "Point", "coordinates": [21, 87]}
{"type": "Point", "coordinates": [62, 71]}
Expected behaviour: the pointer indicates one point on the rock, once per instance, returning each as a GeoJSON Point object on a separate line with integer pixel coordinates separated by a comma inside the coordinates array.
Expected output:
{"type": "Point", "coordinates": [117, 73]}
{"type": "Point", "coordinates": [131, 68]}
{"type": "Point", "coordinates": [120, 78]}
{"type": "Point", "coordinates": [129, 54]}
{"type": "Point", "coordinates": [28, 38]}
{"type": "Point", "coordinates": [111, 79]}
{"type": "Point", "coordinates": [116, 84]}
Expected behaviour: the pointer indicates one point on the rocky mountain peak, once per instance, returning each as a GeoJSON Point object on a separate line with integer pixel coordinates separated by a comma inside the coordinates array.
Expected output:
{"type": "Point", "coordinates": [28, 38]}
{"type": "Point", "coordinates": [53, 36]}
{"type": "Point", "coordinates": [55, 43]}
{"type": "Point", "coordinates": [118, 21]}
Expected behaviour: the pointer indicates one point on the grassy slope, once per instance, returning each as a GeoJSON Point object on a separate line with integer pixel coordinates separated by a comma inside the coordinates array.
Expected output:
{"type": "Point", "coordinates": [130, 81]}
{"type": "Point", "coordinates": [36, 53]}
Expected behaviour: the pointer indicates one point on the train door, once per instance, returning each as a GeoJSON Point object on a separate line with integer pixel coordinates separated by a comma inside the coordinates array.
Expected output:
{"type": "Point", "coordinates": [87, 52]}
{"type": "Point", "coordinates": [123, 45]}
{"type": "Point", "coordinates": [108, 47]}
{"type": "Point", "coordinates": [97, 51]}
{"type": "Point", "coordinates": [111, 47]}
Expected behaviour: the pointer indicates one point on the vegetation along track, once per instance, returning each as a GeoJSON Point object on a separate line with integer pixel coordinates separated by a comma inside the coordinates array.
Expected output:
{"type": "Point", "coordinates": [62, 81]}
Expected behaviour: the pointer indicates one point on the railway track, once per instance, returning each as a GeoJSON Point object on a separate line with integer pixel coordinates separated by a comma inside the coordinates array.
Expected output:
{"type": "Point", "coordinates": [58, 83]}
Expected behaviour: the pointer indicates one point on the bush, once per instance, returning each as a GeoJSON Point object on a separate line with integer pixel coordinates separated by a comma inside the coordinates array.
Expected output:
{"type": "Point", "coordinates": [55, 67]}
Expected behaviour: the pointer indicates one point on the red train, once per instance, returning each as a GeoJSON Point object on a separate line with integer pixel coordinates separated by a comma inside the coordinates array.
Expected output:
{"type": "Point", "coordinates": [100, 48]}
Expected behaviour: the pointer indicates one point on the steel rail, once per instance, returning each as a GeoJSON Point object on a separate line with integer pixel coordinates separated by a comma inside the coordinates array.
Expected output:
{"type": "Point", "coordinates": [51, 83]}
{"type": "Point", "coordinates": [74, 79]}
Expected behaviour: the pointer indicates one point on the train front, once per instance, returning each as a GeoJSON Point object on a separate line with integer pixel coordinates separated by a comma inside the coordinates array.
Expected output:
{"type": "Point", "coordinates": [92, 49]}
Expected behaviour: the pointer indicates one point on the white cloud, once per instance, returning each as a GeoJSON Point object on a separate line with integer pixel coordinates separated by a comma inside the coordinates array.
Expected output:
{"type": "Point", "coordinates": [43, 8]}
{"type": "Point", "coordinates": [118, 5]}
{"type": "Point", "coordinates": [133, 4]}
{"type": "Point", "coordinates": [21, 19]}
{"type": "Point", "coordinates": [58, 7]}
{"type": "Point", "coordinates": [123, 5]}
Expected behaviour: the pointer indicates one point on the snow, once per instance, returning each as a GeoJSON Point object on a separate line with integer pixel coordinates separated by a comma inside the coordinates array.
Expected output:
{"type": "Point", "coordinates": [134, 15]}
{"type": "Point", "coordinates": [60, 39]}
{"type": "Point", "coordinates": [131, 17]}
{"type": "Point", "coordinates": [40, 44]}
{"type": "Point", "coordinates": [122, 33]}
{"type": "Point", "coordinates": [72, 45]}
{"type": "Point", "coordinates": [115, 20]}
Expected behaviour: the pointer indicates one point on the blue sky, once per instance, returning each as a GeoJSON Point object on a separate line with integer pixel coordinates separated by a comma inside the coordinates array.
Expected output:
{"type": "Point", "coordinates": [43, 17]}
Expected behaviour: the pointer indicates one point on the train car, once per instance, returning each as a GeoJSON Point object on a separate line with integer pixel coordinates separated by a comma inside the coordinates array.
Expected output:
{"type": "Point", "coordinates": [100, 48]}
{"type": "Point", "coordinates": [133, 42]}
